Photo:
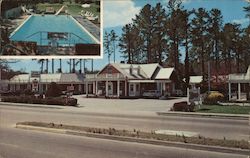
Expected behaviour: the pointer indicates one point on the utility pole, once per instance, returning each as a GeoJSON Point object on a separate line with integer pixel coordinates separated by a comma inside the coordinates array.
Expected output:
{"type": "Point", "coordinates": [209, 76]}
{"type": "Point", "coordinates": [92, 65]}
{"type": "Point", "coordinates": [1, 25]}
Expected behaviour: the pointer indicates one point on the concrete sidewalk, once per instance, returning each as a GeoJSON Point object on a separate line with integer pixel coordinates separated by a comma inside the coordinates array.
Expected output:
{"type": "Point", "coordinates": [109, 109]}
{"type": "Point", "coordinates": [196, 114]}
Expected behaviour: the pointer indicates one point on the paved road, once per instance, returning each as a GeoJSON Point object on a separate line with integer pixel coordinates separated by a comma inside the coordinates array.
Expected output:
{"type": "Point", "coordinates": [17, 143]}
{"type": "Point", "coordinates": [208, 127]}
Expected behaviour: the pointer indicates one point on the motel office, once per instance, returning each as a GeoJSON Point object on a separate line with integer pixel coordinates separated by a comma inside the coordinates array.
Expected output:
{"type": "Point", "coordinates": [114, 80]}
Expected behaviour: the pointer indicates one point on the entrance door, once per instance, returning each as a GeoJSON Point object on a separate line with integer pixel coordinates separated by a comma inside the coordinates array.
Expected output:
{"type": "Point", "coordinates": [110, 88]}
{"type": "Point", "coordinates": [131, 89]}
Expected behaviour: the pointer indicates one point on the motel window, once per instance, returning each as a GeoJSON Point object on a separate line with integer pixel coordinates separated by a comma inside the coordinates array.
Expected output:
{"type": "Point", "coordinates": [137, 87]}
{"type": "Point", "coordinates": [131, 87]}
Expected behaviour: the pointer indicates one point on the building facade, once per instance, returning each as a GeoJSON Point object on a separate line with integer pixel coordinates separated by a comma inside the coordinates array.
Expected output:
{"type": "Point", "coordinates": [39, 83]}
{"type": "Point", "coordinates": [130, 80]}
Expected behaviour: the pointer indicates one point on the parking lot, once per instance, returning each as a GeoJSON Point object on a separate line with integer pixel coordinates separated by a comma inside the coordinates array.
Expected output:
{"type": "Point", "coordinates": [125, 105]}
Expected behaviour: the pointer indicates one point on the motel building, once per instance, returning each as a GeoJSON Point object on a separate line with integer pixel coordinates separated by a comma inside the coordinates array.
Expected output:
{"type": "Point", "coordinates": [118, 80]}
{"type": "Point", "coordinates": [39, 83]}
{"type": "Point", "coordinates": [239, 86]}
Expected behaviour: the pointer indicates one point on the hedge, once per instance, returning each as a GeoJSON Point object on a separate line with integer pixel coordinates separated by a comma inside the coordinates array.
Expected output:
{"type": "Point", "coordinates": [49, 101]}
{"type": "Point", "coordinates": [183, 106]}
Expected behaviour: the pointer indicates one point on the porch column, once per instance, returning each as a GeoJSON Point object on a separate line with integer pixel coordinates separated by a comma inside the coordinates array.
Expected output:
{"type": "Point", "coordinates": [229, 91]}
{"type": "Point", "coordinates": [40, 87]}
{"type": "Point", "coordinates": [126, 88]}
{"type": "Point", "coordinates": [96, 87]}
{"type": "Point", "coordinates": [164, 87]}
{"type": "Point", "coordinates": [118, 88]}
{"type": "Point", "coordinates": [106, 88]}
{"type": "Point", "coordinates": [239, 93]}
{"type": "Point", "coordinates": [87, 88]}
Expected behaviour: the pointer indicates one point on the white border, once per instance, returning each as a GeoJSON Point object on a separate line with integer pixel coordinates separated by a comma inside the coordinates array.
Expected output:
{"type": "Point", "coordinates": [62, 56]}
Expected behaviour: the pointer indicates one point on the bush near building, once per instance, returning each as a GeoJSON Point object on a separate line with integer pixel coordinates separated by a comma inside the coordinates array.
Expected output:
{"type": "Point", "coordinates": [213, 98]}
{"type": "Point", "coordinates": [53, 90]}
{"type": "Point", "coordinates": [36, 100]}
{"type": "Point", "coordinates": [183, 106]}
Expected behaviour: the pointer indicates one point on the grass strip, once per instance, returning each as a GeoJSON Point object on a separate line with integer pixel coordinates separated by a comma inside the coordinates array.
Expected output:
{"type": "Point", "coordinates": [242, 144]}
{"type": "Point", "coordinates": [226, 109]}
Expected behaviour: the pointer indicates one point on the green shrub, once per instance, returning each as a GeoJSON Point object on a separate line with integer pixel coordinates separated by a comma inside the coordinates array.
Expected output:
{"type": "Point", "coordinates": [53, 90]}
{"type": "Point", "coordinates": [213, 98]}
{"type": "Point", "coordinates": [48, 101]}
{"type": "Point", "coordinates": [28, 92]}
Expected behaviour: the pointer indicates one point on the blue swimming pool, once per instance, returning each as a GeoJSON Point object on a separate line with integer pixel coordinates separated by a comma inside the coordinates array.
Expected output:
{"type": "Point", "coordinates": [62, 30]}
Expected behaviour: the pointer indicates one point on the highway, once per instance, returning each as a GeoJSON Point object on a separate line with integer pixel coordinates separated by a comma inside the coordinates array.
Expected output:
{"type": "Point", "coordinates": [208, 127]}
{"type": "Point", "coordinates": [17, 143]}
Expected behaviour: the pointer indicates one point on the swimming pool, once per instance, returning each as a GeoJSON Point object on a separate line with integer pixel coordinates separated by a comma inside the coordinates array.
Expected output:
{"type": "Point", "coordinates": [62, 30]}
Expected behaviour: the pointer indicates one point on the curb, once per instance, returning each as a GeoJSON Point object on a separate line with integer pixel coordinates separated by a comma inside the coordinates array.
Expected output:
{"type": "Point", "coordinates": [43, 129]}
{"type": "Point", "coordinates": [31, 105]}
{"type": "Point", "coordinates": [140, 140]}
{"type": "Point", "coordinates": [208, 115]}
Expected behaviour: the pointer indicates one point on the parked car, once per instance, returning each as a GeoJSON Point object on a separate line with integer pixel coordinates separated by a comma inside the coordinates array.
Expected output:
{"type": "Point", "coordinates": [151, 94]}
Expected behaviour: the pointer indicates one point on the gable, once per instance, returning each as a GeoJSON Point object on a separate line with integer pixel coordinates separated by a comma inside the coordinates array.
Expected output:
{"type": "Point", "coordinates": [109, 69]}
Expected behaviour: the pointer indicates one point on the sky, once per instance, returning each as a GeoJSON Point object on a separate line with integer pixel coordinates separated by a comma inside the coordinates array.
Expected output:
{"type": "Point", "coordinates": [117, 13]}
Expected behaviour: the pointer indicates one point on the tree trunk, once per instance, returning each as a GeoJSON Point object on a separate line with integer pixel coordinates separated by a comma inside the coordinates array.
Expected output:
{"type": "Point", "coordinates": [42, 62]}
{"type": "Point", "coordinates": [187, 75]}
{"type": "Point", "coordinates": [60, 60]}
{"type": "Point", "coordinates": [47, 65]}
{"type": "Point", "coordinates": [84, 65]}
{"type": "Point", "coordinates": [52, 65]}
{"type": "Point", "coordinates": [92, 65]}
{"type": "Point", "coordinates": [70, 70]}
{"type": "Point", "coordinates": [74, 66]}
{"type": "Point", "coordinates": [80, 70]}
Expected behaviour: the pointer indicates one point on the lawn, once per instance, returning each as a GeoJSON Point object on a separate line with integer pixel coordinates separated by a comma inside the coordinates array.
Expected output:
{"type": "Point", "coordinates": [43, 6]}
{"type": "Point", "coordinates": [73, 8]}
{"type": "Point", "coordinates": [232, 109]}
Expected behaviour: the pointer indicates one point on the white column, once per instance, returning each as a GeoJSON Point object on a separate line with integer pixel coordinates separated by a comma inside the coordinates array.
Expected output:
{"type": "Point", "coordinates": [87, 88]}
{"type": "Point", "coordinates": [126, 88]}
{"type": "Point", "coordinates": [106, 88]}
{"type": "Point", "coordinates": [239, 93]}
{"type": "Point", "coordinates": [164, 88]}
{"type": "Point", "coordinates": [229, 91]}
{"type": "Point", "coordinates": [93, 87]}
{"type": "Point", "coordinates": [118, 88]}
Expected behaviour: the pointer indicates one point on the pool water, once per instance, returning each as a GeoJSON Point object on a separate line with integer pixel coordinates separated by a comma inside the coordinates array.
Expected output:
{"type": "Point", "coordinates": [37, 27]}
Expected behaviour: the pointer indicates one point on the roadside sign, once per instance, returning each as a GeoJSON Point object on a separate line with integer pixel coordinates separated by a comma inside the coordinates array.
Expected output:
{"type": "Point", "coordinates": [193, 95]}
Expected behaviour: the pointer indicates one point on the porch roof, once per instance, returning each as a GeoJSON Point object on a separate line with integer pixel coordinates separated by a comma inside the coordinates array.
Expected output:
{"type": "Point", "coordinates": [21, 78]}
{"type": "Point", "coordinates": [136, 71]}
{"type": "Point", "coordinates": [61, 78]}
{"type": "Point", "coordinates": [165, 73]}
{"type": "Point", "coordinates": [195, 79]}
{"type": "Point", "coordinates": [240, 78]}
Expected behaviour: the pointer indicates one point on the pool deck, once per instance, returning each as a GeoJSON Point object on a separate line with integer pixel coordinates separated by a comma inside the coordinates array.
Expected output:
{"type": "Point", "coordinates": [92, 28]}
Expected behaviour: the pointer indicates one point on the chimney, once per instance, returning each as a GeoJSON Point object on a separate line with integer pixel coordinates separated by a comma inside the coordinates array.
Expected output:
{"type": "Point", "coordinates": [139, 70]}
{"type": "Point", "coordinates": [131, 69]}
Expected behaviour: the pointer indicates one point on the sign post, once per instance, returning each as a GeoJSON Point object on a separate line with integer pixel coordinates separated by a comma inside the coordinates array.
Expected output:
{"type": "Point", "coordinates": [194, 95]}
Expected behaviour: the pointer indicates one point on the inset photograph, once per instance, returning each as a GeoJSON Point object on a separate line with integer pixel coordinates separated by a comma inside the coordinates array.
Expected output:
{"type": "Point", "coordinates": [50, 28]}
